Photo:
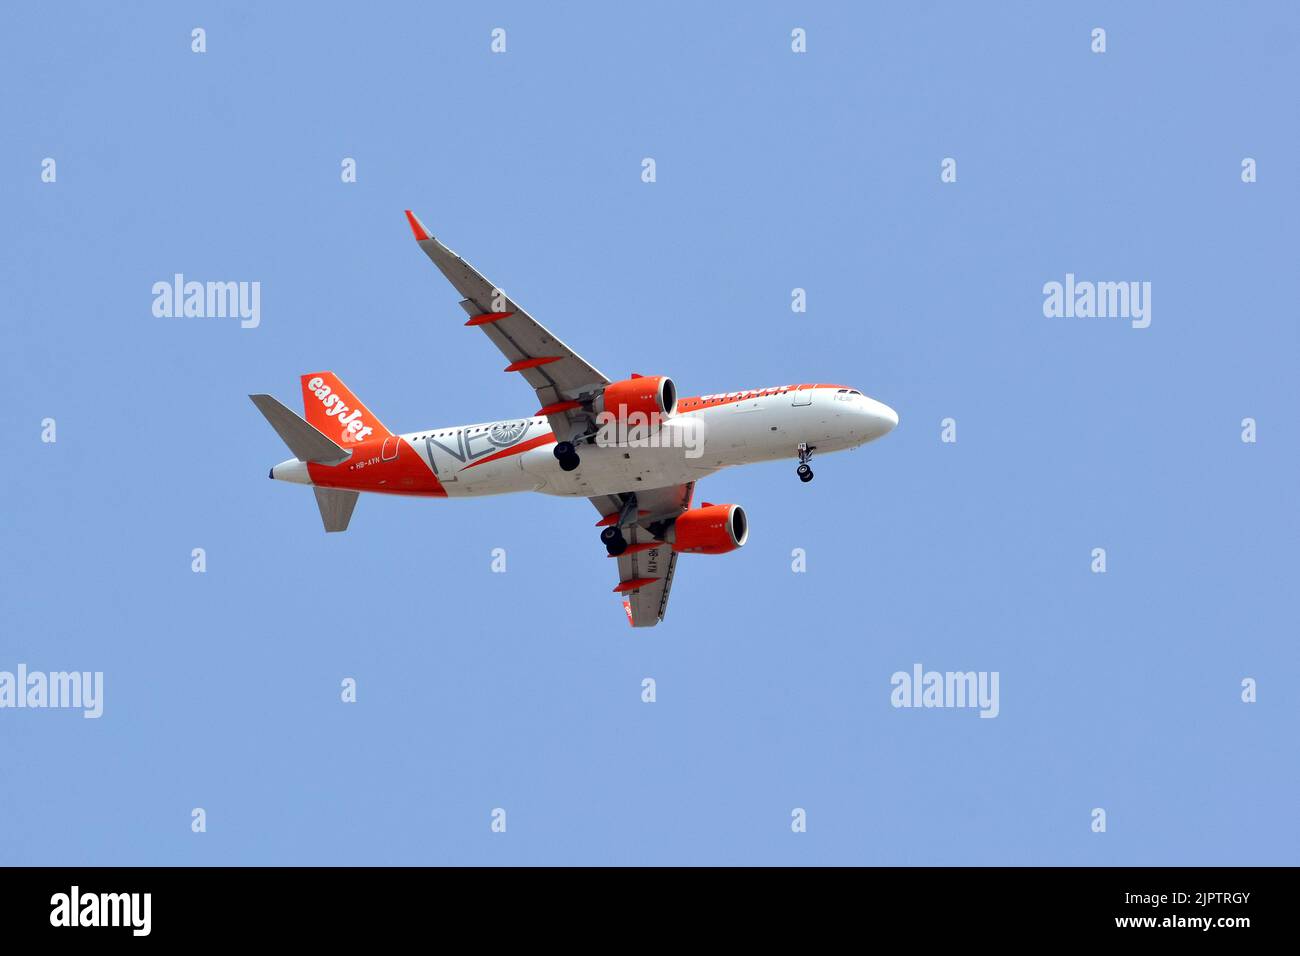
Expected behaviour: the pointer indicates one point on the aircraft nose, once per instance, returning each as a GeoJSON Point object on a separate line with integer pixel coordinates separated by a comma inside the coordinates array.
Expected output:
{"type": "Point", "coordinates": [880, 418]}
{"type": "Point", "coordinates": [888, 417]}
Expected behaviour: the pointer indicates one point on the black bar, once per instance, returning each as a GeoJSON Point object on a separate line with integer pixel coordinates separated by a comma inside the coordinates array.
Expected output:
{"type": "Point", "coordinates": [207, 905]}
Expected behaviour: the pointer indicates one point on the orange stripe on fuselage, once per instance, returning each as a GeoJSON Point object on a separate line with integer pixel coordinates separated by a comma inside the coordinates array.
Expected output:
{"type": "Point", "coordinates": [697, 402]}
{"type": "Point", "coordinates": [406, 474]}
{"type": "Point", "coordinates": [523, 446]}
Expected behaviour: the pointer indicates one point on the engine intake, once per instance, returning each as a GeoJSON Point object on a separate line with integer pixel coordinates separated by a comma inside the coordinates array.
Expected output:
{"type": "Point", "coordinates": [648, 394]}
{"type": "Point", "coordinates": [709, 529]}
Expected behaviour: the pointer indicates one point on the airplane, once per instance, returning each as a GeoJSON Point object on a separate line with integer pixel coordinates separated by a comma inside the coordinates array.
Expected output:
{"type": "Point", "coordinates": [633, 447]}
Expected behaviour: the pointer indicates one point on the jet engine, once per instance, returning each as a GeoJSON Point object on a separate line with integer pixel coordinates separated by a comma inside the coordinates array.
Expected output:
{"type": "Point", "coordinates": [709, 529]}
{"type": "Point", "coordinates": [650, 395]}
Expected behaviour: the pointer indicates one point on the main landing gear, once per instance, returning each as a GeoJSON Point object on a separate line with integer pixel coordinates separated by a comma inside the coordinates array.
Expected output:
{"type": "Point", "coordinates": [567, 456]}
{"type": "Point", "coordinates": [613, 540]}
{"type": "Point", "coordinates": [612, 537]}
{"type": "Point", "coordinates": [805, 455]}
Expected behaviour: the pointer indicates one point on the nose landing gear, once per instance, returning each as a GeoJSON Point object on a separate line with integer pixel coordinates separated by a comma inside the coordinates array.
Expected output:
{"type": "Point", "coordinates": [805, 455]}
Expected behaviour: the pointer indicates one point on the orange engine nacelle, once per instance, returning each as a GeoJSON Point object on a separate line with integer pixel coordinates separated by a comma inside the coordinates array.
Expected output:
{"type": "Point", "coordinates": [648, 394]}
{"type": "Point", "coordinates": [710, 529]}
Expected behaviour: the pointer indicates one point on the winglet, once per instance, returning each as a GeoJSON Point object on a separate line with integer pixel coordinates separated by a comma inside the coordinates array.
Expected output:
{"type": "Point", "coordinates": [417, 227]}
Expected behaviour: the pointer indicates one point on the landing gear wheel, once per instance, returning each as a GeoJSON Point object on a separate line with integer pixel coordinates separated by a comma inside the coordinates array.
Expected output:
{"type": "Point", "coordinates": [613, 540]}
{"type": "Point", "coordinates": [566, 456]}
{"type": "Point", "coordinates": [805, 455]}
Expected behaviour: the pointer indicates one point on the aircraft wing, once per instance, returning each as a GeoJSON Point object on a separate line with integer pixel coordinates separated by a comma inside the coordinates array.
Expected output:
{"type": "Point", "coordinates": [559, 375]}
{"type": "Point", "coordinates": [646, 568]}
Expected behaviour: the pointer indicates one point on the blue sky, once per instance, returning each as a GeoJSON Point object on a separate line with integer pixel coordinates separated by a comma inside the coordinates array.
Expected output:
{"type": "Point", "coordinates": [775, 170]}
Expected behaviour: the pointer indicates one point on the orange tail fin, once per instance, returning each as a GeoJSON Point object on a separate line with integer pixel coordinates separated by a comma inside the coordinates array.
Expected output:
{"type": "Point", "coordinates": [339, 414]}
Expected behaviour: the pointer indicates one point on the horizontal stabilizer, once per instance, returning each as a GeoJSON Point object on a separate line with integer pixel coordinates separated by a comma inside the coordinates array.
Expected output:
{"type": "Point", "coordinates": [304, 440]}
{"type": "Point", "coordinates": [336, 506]}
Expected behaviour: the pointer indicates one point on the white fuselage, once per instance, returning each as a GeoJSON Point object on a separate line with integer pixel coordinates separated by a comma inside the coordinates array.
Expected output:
{"type": "Point", "coordinates": [713, 433]}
